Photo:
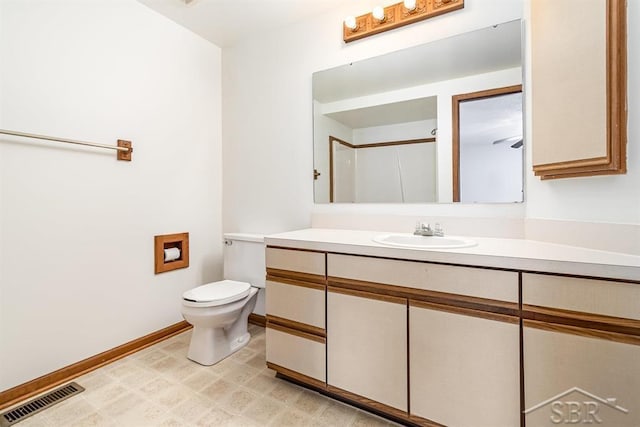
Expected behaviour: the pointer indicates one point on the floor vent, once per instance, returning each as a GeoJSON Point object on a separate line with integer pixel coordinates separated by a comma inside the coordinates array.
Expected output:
{"type": "Point", "coordinates": [38, 404]}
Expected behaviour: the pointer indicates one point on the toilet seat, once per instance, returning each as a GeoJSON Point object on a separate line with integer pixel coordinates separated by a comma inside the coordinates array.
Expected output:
{"type": "Point", "coordinates": [216, 293]}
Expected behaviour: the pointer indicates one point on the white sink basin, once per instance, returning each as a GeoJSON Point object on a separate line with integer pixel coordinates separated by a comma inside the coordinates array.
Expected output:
{"type": "Point", "coordinates": [406, 240]}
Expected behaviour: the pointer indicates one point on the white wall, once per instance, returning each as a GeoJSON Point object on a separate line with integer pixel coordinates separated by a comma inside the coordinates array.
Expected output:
{"type": "Point", "coordinates": [77, 226]}
{"type": "Point", "coordinates": [268, 128]}
{"type": "Point", "coordinates": [268, 135]}
{"type": "Point", "coordinates": [491, 173]}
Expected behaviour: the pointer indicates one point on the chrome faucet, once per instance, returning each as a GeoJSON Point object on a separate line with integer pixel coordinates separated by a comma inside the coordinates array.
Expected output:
{"type": "Point", "coordinates": [423, 229]}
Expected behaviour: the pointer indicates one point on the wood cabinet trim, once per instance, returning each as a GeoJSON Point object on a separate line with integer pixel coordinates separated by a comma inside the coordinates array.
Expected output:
{"type": "Point", "coordinates": [465, 311]}
{"type": "Point", "coordinates": [292, 324]}
{"type": "Point", "coordinates": [368, 402]}
{"type": "Point", "coordinates": [575, 276]}
{"type": "Point", "coordinates": [298, 377]}
{"type": "Point", "coordinates": [288, 248]}
{"type": "Point", "coordinates": [294, 282]}
{"type": "Point", "coordinates": [297, 278]}
{"type": "Point", "coordinates": [295, 332]}
{"type": "Point", "coordinates": [580, 331]}
{"type": "Point", "coordinates": [462, 301]}
{"type": "Point", "coordinates": [368, 295]}
{"type": "Point", "coordinates": [581, 319]}
{"type": "Point", "coordinates": [423, 421]}
{"type": "Point", "coordinates": [615, 161]}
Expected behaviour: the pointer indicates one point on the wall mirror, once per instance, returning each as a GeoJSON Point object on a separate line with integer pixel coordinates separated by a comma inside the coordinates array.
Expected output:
{"type": "Point", "coordinates": [383, 127]}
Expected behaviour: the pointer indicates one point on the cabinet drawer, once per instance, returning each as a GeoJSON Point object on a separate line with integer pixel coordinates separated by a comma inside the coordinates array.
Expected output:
{"type": "Point", "coordinates": [294, 351]}
{"type": "Point", "coordinates": [300, 302]}
{"type": "Point", "coordinates": [608, 298]}
{"type": "Point", "coordinates": [468, 281]}
{"type": "Point", "coordinates": [296, 261]}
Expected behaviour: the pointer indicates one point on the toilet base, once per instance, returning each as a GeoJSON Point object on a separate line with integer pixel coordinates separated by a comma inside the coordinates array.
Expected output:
{"type": "Point", "coordinates": [208, 348]}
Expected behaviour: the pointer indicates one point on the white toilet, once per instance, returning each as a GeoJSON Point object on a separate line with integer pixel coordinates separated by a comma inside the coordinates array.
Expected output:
{"type": "Point", "coordinates": [219, 311]}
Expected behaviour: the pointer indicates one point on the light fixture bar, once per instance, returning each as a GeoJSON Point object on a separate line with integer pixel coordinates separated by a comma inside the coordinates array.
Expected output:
{"type": "Point", "coordinates": [396, 15]}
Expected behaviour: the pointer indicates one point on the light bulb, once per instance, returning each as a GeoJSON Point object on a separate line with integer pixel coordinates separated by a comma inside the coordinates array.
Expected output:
{"type": "Point", "coordinates": [350, 22]}
{"type": "Point", "coordinates": [410, 4]}
{"type": "Point", "coordinates": [378, 13]}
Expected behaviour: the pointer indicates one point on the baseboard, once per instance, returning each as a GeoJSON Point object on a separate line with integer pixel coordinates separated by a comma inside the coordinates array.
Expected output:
{"type": "Point", "coordinates": [29, 389]}
{"type": "Point", "coordinates": [258, 319]}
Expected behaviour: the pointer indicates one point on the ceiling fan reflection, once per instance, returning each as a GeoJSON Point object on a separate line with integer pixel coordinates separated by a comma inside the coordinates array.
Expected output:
{"type": "Point", "coordinates": [515, 141]}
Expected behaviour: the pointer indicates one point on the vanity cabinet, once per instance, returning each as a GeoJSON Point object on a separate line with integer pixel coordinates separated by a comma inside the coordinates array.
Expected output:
{"type": "Point", "coordinates": [464, 366]}
{"type": "Point", "coordinates": [295, 313]}
{"type": "Point", "coordinates": [435, 344]}
{"type": "Point", "coordinates": [581, 351]}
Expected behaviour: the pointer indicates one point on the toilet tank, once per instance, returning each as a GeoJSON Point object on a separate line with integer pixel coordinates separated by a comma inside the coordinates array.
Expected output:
{"type": "Point", "coordinates": [244, 258]}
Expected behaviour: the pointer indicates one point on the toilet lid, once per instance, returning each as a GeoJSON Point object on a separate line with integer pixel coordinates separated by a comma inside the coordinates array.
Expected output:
{"type": "Point", "coordinates": [217, 293]}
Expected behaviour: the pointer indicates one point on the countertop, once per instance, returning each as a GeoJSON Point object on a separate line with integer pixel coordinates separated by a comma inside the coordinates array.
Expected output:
{"type": "Point", "coordinates": [515, 254]}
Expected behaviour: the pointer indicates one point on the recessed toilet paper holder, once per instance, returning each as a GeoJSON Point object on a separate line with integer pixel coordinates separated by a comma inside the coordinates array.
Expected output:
{"type": "Point", "coordinates": [171, 252]}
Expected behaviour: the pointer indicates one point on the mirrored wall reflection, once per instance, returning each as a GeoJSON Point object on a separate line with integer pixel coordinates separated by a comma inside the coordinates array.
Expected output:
{"type": "Point", "coordinates": [379, 107]}
{"type": "Point", "coordinates": [488, 146]}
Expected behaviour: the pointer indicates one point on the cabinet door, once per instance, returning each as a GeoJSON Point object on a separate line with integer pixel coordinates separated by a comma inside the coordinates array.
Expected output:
{"type": "Point", "coordinates": [367, 346]}
{"type": "Point", "coordinates": [578, 379]}
{"type": "Point", "coordinates": [578, 73]}
{"type": "Point", "coordinates": [464, 369]}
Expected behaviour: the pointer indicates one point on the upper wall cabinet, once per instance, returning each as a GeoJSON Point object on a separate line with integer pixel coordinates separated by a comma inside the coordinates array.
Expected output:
{"type": "Point", "coordinates": [578, 87]}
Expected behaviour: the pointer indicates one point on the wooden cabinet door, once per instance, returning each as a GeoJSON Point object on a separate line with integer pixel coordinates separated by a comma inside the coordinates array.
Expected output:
{"type": "Point", "coordinates": [574, 378]}
{"type": "Point", "coordinates": [464, 366]}
{"type": "Point", "coordinates": [578, 82]}
{"type": "Point", "coordinates": [367, 346]}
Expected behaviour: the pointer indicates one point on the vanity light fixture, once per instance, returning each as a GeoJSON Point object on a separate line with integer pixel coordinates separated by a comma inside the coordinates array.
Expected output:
{"type": "Point", "coordinates": [397, 15]}
{"type": "Point", "coordinates": [351, 23]}
{"type": "Point", "coordinates": [410, 5]}
{"type": "Point", "coordinates": [378, 13]}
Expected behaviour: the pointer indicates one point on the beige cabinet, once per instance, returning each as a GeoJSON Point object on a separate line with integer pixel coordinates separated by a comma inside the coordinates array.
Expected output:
{"type": "Point", "coordinates": [464, 366]}
{"type": "Point", "coordinates": [434, 344]}
{"type": "Point", "coordinates": [581, 342]}
{"type": "Point", "coordinates": [367, 347]}
{"type": "Point", "coordinates": [295, 313]}
{"type": "Point", "coordinates": [578, 87]}
{"type": "Point", "coordinates": [578, 379]}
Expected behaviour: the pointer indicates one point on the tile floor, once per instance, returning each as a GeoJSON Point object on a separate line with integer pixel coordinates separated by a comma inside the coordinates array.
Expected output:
{"type": "Point", "coordinates": [159, 386]}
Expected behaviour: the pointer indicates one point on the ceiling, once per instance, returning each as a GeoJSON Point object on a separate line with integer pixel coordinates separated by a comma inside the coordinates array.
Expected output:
{"type": "Point", "coordinates": [226, 22]}
{"type": "Point", "coordinates": [388, 114]}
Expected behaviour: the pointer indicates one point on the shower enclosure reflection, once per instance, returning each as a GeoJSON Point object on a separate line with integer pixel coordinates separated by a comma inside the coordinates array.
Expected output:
{"type": "Point", "coordinates": [392, 172]}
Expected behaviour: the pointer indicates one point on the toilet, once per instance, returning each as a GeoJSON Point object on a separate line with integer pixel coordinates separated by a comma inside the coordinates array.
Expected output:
{"type": "Point", "coordinates": [219, 311]}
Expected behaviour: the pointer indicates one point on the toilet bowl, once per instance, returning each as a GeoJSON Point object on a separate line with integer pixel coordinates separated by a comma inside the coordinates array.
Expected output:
{"type": "Point", "coordinates": [219, 311]}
